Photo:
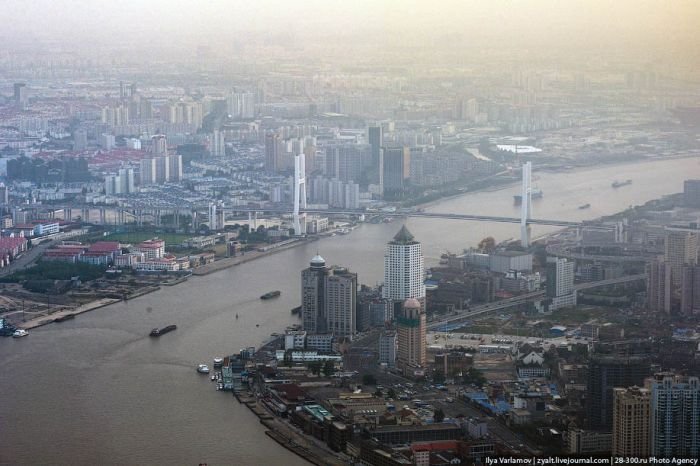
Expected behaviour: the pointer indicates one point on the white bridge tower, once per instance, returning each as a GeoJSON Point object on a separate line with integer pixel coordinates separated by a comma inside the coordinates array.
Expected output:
{"type": "Point", "coordinates": [299, 194]}
{"type": "Point", "coordinates": [526, 205]}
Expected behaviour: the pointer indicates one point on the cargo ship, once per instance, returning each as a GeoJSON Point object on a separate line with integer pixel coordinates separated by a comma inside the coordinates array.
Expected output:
{"type": "Point", "coordinates": [534, 194]}
{"type": "Point", "coordinates": [618, 184]}
{"type": "Point", "coordinates": [271, 294]}
{"type": "Point", "coordinates": [156, 332]}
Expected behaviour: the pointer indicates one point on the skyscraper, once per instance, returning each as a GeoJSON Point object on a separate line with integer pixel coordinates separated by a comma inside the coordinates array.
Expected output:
{"type": "Point", "coordinates": [397, 168]}
{"type": "Point", "coordinates": [560, 283]}
{"type": "Point", "coordinates": [126, 180]}
{"type": "Point", "coordinates": [681, 250]}
{"type": "Point", "coordinates": [675, 418]}
{"type": "Point", "coordinates": [20, 90]}
{"type": "Point", "coordinates": [659, 286]}
{"type": "Point", "coordinates": [313, 296]}
{"type": "Point", "coordinates": [341, 302]}
{"type": "Point", "coordinates": [631, 411]}
{"type": "Point", "coordinates": [273, 152]}
{"type": "Point", "coordinates": [174, 167]}
{"type": "Point", "coordinates": [4, 194]}
{"type": "Point", "coordinates": [387, 348]}
{"type": "Point", "coordinates": [410, 330]}
{"type": "Point", "coordinates": [376, 141]}
{"type": "Point", "coordinates": [147, 171]}
{"type": "Point", "coordinates": [690, 290]}
{"type": "Point", "coordinates": [217, 146]}
{"type": "Point", "coordinates": [162, 169]}
{"type": "Point", "coordinates": [403, 268]}
{"type": "Point", "coordinates": [604, 374]}
{"type": "Point", "coordinates": [80, 139]}
{"type": "Point", "coordinates": [159, 145]}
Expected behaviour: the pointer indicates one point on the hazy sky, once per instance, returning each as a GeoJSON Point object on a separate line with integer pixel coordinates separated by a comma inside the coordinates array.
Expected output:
{"type": "Point", "coordinates": [669, 24]}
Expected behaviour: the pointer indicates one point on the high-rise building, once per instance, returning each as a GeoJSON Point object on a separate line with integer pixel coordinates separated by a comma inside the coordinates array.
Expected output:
{"type": "Point", "coordinates": [174, 167]}
{"type": "Point", "coordinates": [107, 141]}
{"type": "Point", "coordinates": [147, 171]}
{"type": "Point", "coordinates": [690, 290]}
{"type": "Point", "coordinates": [631, 414]}
{"type": "Point", "coordinates": [659, 286]}
{"type": "Point", "coordinates": [313, 296]}
{"type": "Point", "coordinates": [79, 139]}
{"type": "Point", "coordinates": [162, 169]}
{"type": "Point", "coordinates": [216, 216]}
{"type": "Point", "coordinates": [347, 162]}
{"type": "Point", "coordinates": [113, 184]}
{"type": "Point", "coordinates": [403, 268]}
{"type": "Point", "coordinates": [410, 330]}
{"type": "Point", "coordinates": [691, 193]}
{"type": "Point", "coordinates": [217, 146]}
{"type": "Point", "coordinates": [375, 137]}
{"type": "Point", "coordinates": [681, 250]}
{"type": "Point", "coordinates": [126, 178]}
{"type": "Point", "coordinates": [159, 145]}
{"type": "Point", "coordinates": [387, 348]}
{"type": "Point", "coordinates": [20, 95]}
{"type": "Point", "coordinates": [4, 194]}
{"type": "Point", "coordinates": [397, 168]}
{"type": "Point", "coordinates": [605, 373]}
{"type": "Point", "coordinates": [273, 152]}
{"type": "Point", "coordinates": [675, 418]}
{"type": "Point", "coordinates": [241, 105]}
{"type": "Point", "coordinates": [341, 302]}
{"type": "Point", "coordinates": [560, 283]}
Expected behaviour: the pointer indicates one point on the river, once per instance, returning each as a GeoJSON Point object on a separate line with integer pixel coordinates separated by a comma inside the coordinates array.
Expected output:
{"type": "Point", "coordinates": [98, 390]}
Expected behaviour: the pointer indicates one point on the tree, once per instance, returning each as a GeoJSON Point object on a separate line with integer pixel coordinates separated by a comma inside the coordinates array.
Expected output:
{"type": "Point", "coordinates": [328, 368]}
{"type": "Point", "coordinates": [438, 377]}
{"type": "Point", "coordinates": [315, 367]}
{"type": "Point", "coordinates": [474, 376]}
{"type": "Point", "coordinates": [438, 415]}
{"type": "Point", "coordinates": [369, 379]}
{"type": "Point", "coordinates": [487, 244]}
{"type": "Point", "coordinates": [378, 393]}
{"type": "Point", "coordinates": [391, 394]}
{"type": "Point", "coordinates": [287, 361]}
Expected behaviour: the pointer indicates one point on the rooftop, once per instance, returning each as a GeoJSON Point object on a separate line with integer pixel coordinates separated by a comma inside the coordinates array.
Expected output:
{"type": "Point", "coordinates": [404, 236]}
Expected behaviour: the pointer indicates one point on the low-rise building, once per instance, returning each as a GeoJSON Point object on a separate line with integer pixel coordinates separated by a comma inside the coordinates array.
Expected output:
{"type": "Point", "coordinates": [163, 264]}
{"type": "Point", "coordinates": [152, 248]}
{"type": "Point", "coordinates": [588, 441]}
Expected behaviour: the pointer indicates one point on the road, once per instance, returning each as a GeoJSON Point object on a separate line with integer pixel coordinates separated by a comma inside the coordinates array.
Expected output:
{"type": "Point", "coordinates": [522, 299]}
{"type": "Point", "coordinates": [28, 257]}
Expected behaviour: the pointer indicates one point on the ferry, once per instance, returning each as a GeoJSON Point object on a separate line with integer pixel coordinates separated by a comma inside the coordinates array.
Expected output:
{"type": "Point", "coordinates": [19, 333]}
{"type": "Point", "coordinates": [156, 332]}
{"type": "Point", "coordinates": [218, 362]}
{"type": "Point", "coordinates": [271, 294]}
{"type": "Point", "coordinates": [584, 206]}
{"type": "Point", "coordinates": [203, 369]}
{"type": "Point", "coordinates": [619, 184]}
{"type": "Point", "coordinates": [534, 194]}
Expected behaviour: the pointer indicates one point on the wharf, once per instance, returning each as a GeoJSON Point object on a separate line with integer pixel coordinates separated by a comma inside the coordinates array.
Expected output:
{"type": "Point", "coordinates": [47, 319]}
{"type": "Point", "coordinates": [286, 436]}
{"type": "Point", "coordinates": [225, 263]}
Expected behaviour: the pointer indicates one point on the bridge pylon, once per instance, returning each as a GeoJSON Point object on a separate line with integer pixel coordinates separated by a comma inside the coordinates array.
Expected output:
{"type": "Point", "coordinates": [526, 205]}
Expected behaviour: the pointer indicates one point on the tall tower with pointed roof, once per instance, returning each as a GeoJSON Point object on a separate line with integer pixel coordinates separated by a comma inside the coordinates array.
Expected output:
{"type": "Point", "coordinates": [403, 268]}
{"type": "Point", "coordinates": [313, 305]}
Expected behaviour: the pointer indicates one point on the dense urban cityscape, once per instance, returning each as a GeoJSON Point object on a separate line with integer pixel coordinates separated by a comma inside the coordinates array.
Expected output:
{"type": "Point", "coordinates": [319, 246]}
